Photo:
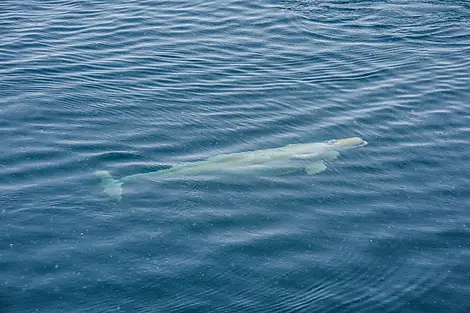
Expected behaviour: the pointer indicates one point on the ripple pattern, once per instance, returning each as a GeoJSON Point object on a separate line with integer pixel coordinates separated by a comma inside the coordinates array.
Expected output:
{"type": "Point", "coordinates": [135, 86]}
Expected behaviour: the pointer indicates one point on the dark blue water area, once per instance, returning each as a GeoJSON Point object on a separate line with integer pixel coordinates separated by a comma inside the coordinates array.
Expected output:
{"type": "Point", "coordinates": [136, 86]}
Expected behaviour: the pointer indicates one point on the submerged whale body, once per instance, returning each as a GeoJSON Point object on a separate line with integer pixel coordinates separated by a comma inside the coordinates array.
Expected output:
{"type": "Point", "coordinates": [310, 157]}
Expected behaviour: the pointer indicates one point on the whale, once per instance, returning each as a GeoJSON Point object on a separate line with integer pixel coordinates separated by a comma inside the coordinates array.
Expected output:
{"type": "Point", "coordinates": [311, 158]}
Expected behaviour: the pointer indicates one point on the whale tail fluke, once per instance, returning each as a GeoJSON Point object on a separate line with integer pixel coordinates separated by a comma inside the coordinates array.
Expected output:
{"type": "Point", "coordinates": [112, 187]}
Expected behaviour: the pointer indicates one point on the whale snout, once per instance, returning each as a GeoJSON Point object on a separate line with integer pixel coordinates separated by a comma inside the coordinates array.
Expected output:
{"type": "Point", "coordinates": [351, 142]}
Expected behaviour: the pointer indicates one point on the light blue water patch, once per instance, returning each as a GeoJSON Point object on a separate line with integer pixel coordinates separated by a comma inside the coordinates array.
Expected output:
{"type": "Point", "coordinates": [138, 86]}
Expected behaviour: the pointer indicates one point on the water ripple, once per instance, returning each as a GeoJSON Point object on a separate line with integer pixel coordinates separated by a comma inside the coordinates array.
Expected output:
{"type": "Point", "coordinates": [137, 86]}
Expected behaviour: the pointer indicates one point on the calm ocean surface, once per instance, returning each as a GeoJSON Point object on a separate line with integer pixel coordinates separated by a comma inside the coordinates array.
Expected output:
{"type": "Point", "coordinates": [136, 86]}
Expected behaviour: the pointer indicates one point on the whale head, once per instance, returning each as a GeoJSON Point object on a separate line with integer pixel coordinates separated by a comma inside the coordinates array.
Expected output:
{"type": "Point", "coordinates": [347, 143]}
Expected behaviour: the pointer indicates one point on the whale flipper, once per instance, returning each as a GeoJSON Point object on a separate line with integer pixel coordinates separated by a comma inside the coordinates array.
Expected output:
{"type": "Point", "coordinates": [112, 187]}
{"type": "Point", "coordinates": [315, 168]}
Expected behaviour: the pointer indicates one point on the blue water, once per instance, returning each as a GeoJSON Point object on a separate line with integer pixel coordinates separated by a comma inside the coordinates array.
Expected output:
{"type": "Point", "coordinates": [136, 86]}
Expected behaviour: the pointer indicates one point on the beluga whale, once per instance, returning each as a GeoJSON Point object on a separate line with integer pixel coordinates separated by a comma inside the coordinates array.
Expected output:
{"type": "Point", "coordinates": [312, 158]}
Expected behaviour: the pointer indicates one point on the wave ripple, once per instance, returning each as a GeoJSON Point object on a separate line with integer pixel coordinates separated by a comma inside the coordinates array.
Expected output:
{"type": "Point", "coordinates": [136, 86]}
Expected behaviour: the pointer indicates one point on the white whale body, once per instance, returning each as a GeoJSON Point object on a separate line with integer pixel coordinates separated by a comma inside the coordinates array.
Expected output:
{"type": "Point", "coordinates": [310, 157]}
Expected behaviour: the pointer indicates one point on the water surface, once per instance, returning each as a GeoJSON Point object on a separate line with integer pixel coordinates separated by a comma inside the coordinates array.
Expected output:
{"type": "Point", "coordinates": [135, 86]}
